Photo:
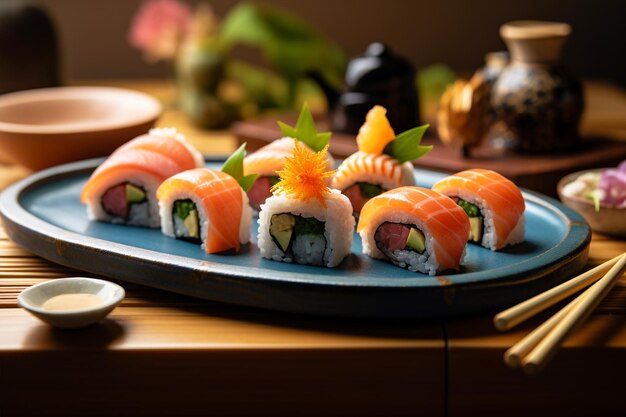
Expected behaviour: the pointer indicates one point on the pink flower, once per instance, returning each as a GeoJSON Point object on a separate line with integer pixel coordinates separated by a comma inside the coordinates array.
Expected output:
{"type": "Point", "coordinates": [158, 28]}
{"type": "Point", "coordinates": [613, 183]}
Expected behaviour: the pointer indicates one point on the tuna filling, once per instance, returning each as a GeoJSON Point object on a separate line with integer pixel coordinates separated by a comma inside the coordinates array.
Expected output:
{"type": "Point", "coordinates": [360, 193]}
{"type": "Point", "coordinates": [126, 201]}
{"type": "Point", "coordinates": [186, 222]}
{"type": "Point", "coordinates": [391, 237]}
{"type": "Point", "coordinates": [299, 237]}
{"type": "Point", "coordinates": [404, 245]}
{"type": "Point", "coordinates": [475, 218]}
{"type": "Point", "coordinates": [260, 191]}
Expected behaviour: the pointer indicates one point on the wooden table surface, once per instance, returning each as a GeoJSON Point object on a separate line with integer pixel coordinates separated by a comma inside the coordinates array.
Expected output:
{"type": "Point", "coordinates": [163, 354]}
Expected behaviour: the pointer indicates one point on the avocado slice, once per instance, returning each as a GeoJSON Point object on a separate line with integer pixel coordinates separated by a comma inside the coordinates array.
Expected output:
{"type": "Point", "coordinates": [191, 223]}
{"type": "Point", "coordinates": [416, 240]}
{"type": "Point", "coordinates": [135, 194]}
{"type": "Point", "coordinates": [476, 229]}
{"type": "Point", "coordinates": [281, 229]}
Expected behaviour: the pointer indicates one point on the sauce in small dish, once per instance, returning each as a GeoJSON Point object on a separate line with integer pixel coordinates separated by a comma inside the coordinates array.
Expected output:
{"type": "Point", "coordinates": [65, 302]}
{"type": "Point", "coordinates": [71, 302]}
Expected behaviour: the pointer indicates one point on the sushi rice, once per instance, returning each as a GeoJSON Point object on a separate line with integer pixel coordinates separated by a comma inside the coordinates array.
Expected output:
{"type": "Point", "coordinates": [338, 229]}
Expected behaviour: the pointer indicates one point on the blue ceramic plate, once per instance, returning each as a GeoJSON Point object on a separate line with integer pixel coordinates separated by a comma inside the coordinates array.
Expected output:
{"type": "Point", "coordinates": [43, 213]}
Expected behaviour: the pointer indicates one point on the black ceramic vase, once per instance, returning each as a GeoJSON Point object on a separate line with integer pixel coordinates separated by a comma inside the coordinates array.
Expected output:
{"type": "Point", "coordinates": [377, 77]}
{"type": "Point", "coordinates": [537, 101]}
{"type": "Point", "coordinates": [28, 47]}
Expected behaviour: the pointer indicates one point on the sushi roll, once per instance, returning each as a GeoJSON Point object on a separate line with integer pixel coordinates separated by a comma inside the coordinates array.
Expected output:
{"type": "Point", "coordinates": [383, 161]}
{"type": "Point", "coordinates": [494, 205]}
{"type": "Point", "coordinates": [271, 158]}
{"type": "Point", "coordinates": [304, 221]}
{"type": "Point", "coordinates": [207, 206]}
{"type": "Point", "coordinates": [122, 189]}
{"type": "Point", "coordinates": [414, 228]}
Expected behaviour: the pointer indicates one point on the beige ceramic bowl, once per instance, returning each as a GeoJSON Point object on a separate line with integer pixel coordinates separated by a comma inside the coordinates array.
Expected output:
{"type": "Point", "coordinates": [34, 297]}
{"type": "Point", "coordinates": [46, 127]}
{"type": "Point", "coordinates": [609, 220]}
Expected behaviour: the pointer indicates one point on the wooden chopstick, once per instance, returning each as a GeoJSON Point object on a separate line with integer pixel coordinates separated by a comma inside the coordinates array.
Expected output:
{"type": "Point", "coordinates": [517, 314]}
{"type": "Point", "coordinates": [513, 357]}
{"type": "Point", "coordinates": [583, 307]}
{"type": "Point", "coordinates": [534, 351]}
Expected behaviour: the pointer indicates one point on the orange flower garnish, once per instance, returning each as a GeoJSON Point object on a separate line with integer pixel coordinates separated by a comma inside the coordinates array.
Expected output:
{"type": "Point", "coordinates": [376, 132]}
{"type": "Point", "coordinates": [304, 175]}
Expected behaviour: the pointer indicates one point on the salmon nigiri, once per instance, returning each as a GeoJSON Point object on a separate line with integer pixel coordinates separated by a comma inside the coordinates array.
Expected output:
{"type": "Point", "coordinates": [270, 159]}
{"type": "Point", "coordinates": [494, 204]}
{"type": "Point", "coordinates": [415, 228]}
{"type": "Point", "coordinates": [207, 206]}
{"type": "Point", "coordinates": [383, 161]}
{"type": "Point", "coordinates": [122, 189]}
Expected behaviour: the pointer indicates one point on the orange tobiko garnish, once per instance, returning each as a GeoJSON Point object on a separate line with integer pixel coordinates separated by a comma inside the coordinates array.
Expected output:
{"type": "Point", "coordinates": [304, 175]}
{"type": "Point", "coordinates": [376, 132]}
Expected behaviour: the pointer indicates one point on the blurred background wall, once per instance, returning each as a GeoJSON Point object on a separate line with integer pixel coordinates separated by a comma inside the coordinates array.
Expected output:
{"type": "Point", "coordinates": [93, 33]}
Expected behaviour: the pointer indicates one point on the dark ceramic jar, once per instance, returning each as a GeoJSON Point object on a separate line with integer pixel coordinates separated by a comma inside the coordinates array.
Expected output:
{"type": "Point", "coordinates": [537, 101]}
{"type": "Point", "coordinates": [377, 77]}
{"type": "Point", "coordinates": [28, 47]}
{"type": "Point", "coordinates": [495, 63]}
{"type": "Point", "coordinates": [494, 131]}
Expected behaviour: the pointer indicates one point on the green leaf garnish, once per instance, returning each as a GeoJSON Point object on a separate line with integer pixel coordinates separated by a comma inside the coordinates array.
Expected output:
{"type": "Point", "coordinates": [305, 130]}
{"type": "Point", "coordinates": [234, 167]}
{"type": "Point", "coordinates": [406, 146]}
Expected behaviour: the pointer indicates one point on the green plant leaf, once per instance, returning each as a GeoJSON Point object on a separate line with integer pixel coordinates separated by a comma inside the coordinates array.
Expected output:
{"type": "Point", "coordinates": [406, 146]}
{"type": "Point", "coordinates": [289, 44]}
{"type": "Point", "coordinates": [305, 130]}
{"type": "Point", "coordinates": [247, 182]}
{"type": "Point", "coordinates": [234, 167]}
{"type": "Point", "coordinates": [432, 81]}
{"type": "Point", "coordinates": [287, 130]}
{"type": "Point", "coordinates": [263, 88]}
